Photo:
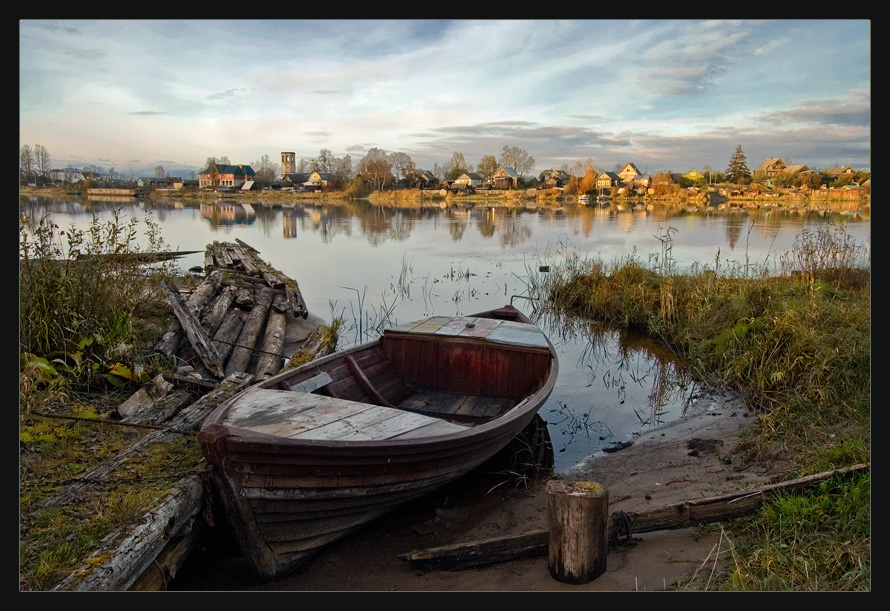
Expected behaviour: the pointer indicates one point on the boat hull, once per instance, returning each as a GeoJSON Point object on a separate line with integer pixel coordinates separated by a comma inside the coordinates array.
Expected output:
{"type": "Point", "coordinates": [289, 493]}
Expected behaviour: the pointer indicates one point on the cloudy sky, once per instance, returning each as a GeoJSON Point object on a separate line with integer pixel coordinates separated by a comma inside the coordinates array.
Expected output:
{"type": "Point", "coordinates": [665, 95]}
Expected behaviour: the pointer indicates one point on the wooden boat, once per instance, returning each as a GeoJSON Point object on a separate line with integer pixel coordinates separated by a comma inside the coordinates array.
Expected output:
{"type": "Point", "coordinates": [313, 453]}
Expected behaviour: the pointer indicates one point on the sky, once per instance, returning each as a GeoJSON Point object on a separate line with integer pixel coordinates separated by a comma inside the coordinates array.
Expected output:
{"type": "Point", "coordinates": [665, 95]}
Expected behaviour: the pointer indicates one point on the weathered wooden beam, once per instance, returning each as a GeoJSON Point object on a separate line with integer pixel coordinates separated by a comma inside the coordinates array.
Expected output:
{"type": "Point", "coordinates": [124, 555]}
{"type": "Point", "coordinates": [484, 552]}
{"type": "Point", "coordinates": [170, 340]}
{"type": "Point", "coordinates": [271, 357]}
{"type": "Point", "coordinates": [253, 326]}
{"type": "Point", "coordinates": [194, 331]}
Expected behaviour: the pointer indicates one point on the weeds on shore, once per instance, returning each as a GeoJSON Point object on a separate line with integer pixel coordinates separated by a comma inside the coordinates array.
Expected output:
{"type": "Point", "coordinates": [81, 295]}
{"type": "Point", "coordinates": [796, 339]}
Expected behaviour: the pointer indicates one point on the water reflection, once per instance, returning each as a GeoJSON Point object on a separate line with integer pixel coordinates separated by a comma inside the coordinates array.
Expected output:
{"type": "Point", "coordinates": [619, 383]}
{"type": "Point", "coordinates": [379, 265]}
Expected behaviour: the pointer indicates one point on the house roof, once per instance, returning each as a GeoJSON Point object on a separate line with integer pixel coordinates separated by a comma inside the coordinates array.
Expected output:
{"type": "Point", "coordinates": [508, 171]}
{"type": "Point", "coordinates": [794, 169]}
{"type": "Point", "coordinates": [611, 175]}
{"type": "Point", "coordinates": [839, 170]}
{"type": "Point", "coordinates": [631, 166]}
{"type": "Point", "coordinates": [470, 175]}
{"type": "Point", "coordinates": [295, 177]}
{"type": "Point", "coordinates": [769, 164]}
{"type": "Point", "coordinates": [222, 168]}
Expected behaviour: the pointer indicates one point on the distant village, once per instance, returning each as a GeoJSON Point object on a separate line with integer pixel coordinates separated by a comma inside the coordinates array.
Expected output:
{"type": "Point", "coordinates": [772, 173]}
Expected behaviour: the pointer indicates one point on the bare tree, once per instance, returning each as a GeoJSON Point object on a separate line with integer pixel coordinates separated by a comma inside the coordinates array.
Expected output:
{"type": "Point", "coordinates": [376, 167]}
{"type": "Point", "coordinates": [160, 172]}
{"type": "Point", "coordinates": [402, 165]}
{"type": "Point", "coordinates": [26, 164]}
{"type": "Point", "coordinates": [42, 161]}
{"type": "Point", "coordinates": [266, 168]}
{"type": "Point", "coordinates": [342, 169]}
{"type": "Point", "coordinates": [517, 159]}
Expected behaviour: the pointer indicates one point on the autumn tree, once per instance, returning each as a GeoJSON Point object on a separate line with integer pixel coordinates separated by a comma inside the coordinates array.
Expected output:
{"type": "Point", "coordinates": [517, 159]}
{"type": "Point", "coordinates": [375, 167]}
{"type": "Point", "coordinates": [588, 178]}
{"type": "Point", "coordinates": [738, 171]}
{"type": "Point", "coordinates": [487, 166]}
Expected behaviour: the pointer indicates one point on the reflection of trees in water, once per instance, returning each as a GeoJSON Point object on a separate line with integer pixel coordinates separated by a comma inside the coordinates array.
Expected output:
{"type": "Point", "coordinates": [620, 359]}
{"type": "Point", "coordinates": [513, 231]}
{"type": "Point", "coordinates": [734, 225]}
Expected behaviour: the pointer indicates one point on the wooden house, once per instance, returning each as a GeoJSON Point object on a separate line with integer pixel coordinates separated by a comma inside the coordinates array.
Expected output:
{"type": "Point", "coordinates": [769, 168]}
{"type": "Point", "coordinates": [607, 180]}
{"type": "Point", "coordinates": [468, 179]}
{"type": "Point", "coordinates": [424, 180]}
{"type": "Point", "coordinates": [554, 179]}
{"type": "Point", "coordinates": [505, 178]}
{"type": "Point", "coordinates": [628, 173]}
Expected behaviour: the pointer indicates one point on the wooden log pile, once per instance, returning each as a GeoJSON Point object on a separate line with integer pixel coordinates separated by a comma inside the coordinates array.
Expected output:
{"type": "Point", "coordinates": [236, 319]}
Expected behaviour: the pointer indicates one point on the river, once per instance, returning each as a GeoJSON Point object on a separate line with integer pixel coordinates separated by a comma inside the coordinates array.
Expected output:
{"type": "Point", "coordinates": [379, 265]}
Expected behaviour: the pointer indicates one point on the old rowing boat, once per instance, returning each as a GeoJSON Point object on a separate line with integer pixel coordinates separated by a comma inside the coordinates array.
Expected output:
{"type": "Point", "coordinates": [313, 453]}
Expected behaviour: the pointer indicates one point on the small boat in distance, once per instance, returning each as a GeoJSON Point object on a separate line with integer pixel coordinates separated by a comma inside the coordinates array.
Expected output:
{"type": "Point", "coordinates": [303, 458]}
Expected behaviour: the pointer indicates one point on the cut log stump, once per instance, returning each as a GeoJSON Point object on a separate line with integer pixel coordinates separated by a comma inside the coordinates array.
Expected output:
{"type": "Point", "coordinates": [578, 519]}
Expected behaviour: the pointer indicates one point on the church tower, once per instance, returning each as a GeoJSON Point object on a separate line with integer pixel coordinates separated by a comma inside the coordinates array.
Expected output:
{"type": "Point", "coordinates": [288, 163]}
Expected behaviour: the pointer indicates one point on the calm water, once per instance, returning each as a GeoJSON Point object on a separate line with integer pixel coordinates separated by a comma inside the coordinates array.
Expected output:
{"type": "Point", "coordinates": [379, 265]}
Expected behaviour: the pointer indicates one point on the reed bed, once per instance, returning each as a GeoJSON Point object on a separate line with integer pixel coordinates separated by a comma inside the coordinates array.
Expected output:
{"type": "Point", "coordinates": [795, 337]}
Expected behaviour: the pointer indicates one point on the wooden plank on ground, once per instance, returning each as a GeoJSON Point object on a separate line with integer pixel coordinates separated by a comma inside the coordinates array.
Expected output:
{"type": "Point", "coordinates": [460, 556]}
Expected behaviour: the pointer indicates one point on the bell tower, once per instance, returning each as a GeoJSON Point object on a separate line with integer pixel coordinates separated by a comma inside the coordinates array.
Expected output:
{"type": "Point", "coordinates": [288, 163]}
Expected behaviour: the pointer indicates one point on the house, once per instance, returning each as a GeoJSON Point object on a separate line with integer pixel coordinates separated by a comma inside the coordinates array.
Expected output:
{"type": "Point", "coordinates": [505, 178]}
{"type": "Point", "coordinates": [840, 171]}
{"type": "Point", "coordinates": [607, 180]}
{"type": "Point", "coordinates": [225, 175]}
{"type": "Point", "coordinates": [169, 182]}
{"type": "Point", "coordinates": [769, 168]}
{"type": "Point", "coordinates": [554, 179]}
{"type": "Point", "coordinates": [294, 178]}
{"type": "Point", "coordinates": [694, 176]}
{"type": "Point", "coordinates": [319, 180]}
{"type": "Point", "coordinates": [628, 173]}
{"type": "Point", "coordinates": [642, 181]}
{"type": "Point", "coordinates": [468, 179]}
{"type": "Point", "coordinates": [66, 175]}
{"type": "Point", "coordinates": [94, 176]}
{"type": "Point", "coordinates": [424, 180]}
{"type": "Point", "coordinates": [791, 170]}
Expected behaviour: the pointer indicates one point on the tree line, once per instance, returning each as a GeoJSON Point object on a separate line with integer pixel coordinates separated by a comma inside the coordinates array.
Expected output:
{"type": "Point", "coordinates": [379, 170]}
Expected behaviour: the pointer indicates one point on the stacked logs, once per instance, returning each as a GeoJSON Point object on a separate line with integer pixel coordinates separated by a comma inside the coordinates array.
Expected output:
{"type": "Point", "coordinates": [236, 319]}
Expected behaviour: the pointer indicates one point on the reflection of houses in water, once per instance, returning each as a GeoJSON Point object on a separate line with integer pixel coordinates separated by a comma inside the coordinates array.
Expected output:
{"type": "Point", "coordinates": [221, 214]}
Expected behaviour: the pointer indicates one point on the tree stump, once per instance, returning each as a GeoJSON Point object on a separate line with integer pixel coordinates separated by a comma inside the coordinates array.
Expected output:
{"type": "Point", "coordinates": [578, 517]}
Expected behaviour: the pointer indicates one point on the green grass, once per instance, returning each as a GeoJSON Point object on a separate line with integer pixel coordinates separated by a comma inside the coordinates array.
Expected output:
{"type": "Point", "coordinates": [797, 341]}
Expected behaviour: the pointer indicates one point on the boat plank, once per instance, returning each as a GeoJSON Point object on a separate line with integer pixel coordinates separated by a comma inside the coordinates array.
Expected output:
{"type": "Point", "coordinates": [401, 423]}
{"type": "Point", "coordinates": [346, 425]}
